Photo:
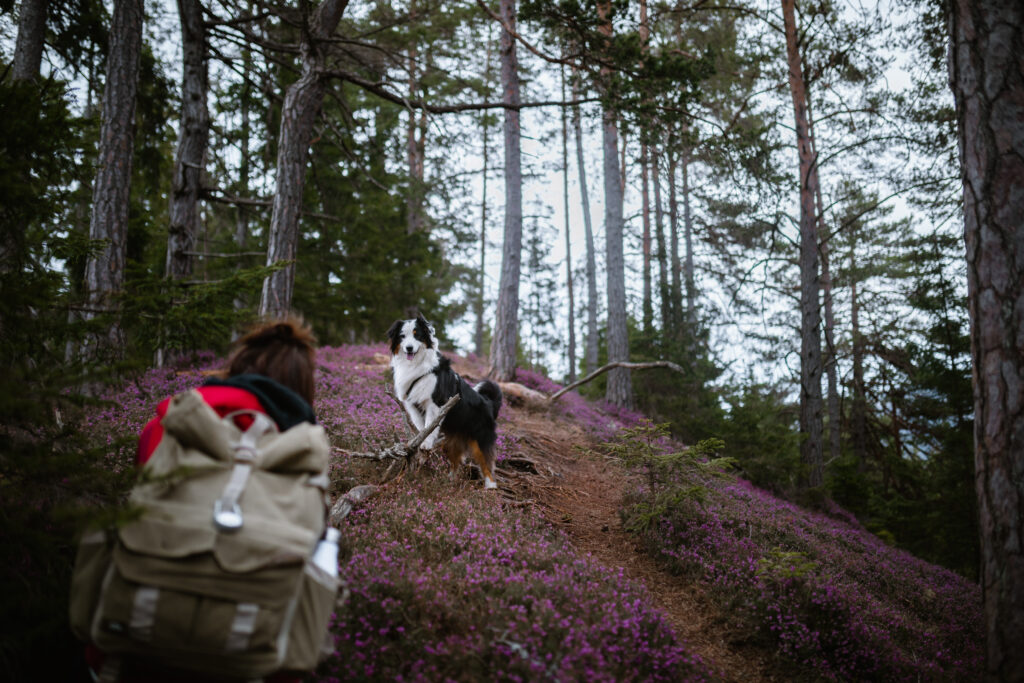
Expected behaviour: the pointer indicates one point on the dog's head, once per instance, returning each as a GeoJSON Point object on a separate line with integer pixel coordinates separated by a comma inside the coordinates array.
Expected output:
{"type": "Point", "coordinates": [411, 337]}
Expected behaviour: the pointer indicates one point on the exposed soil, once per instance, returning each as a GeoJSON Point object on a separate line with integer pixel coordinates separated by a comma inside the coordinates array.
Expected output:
{"type": "Point", "coordinates": [582, 493]}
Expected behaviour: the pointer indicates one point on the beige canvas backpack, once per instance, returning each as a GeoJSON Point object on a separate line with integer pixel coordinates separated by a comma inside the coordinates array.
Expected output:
{"type": "Point", "coordinates": [217, 573]}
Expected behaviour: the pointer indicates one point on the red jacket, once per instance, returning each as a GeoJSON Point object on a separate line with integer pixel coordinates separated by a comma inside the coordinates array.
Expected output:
{"type": "Point", "coordinates": [224, 400]}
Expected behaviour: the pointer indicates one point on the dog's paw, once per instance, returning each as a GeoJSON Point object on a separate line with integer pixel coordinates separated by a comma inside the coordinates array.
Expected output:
{"type": "Point", "coordinates": [489, 484]}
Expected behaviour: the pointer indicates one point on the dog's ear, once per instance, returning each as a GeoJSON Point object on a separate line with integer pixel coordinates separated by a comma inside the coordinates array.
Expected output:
{"type": "Point", "coordinates": [419, 316]}
{"type": "Point", "coordinates": [393, 332]}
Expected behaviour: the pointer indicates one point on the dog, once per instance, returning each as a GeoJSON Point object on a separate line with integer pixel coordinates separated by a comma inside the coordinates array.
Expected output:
{"type": "Point", "coordinates": [425, 380]}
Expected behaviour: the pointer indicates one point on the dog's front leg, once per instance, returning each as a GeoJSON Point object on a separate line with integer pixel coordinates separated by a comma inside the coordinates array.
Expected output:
{"type": "Point", "coordinates": [428, 417]}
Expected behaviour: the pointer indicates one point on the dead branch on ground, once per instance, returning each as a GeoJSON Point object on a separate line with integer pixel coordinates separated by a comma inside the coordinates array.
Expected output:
{"type": "Point", "coordinates": [400, 453]}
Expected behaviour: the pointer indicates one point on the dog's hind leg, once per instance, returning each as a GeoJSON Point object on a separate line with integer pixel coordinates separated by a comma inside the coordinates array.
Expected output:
{"type": "Point", "coordinates": [453, 450]}
{"type": "Point", "coordinates": [486, 463]}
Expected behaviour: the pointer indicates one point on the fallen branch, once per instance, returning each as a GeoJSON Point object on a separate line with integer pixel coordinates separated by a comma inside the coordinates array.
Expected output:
{"type": "Point", "coordinates": [399, 452]}
{"type": "Point", "coordinates": [408, 449]}
{"type": "Point", "coordinates": [346, 502]}
{"type": "Point", "coordinates": [611, 366]}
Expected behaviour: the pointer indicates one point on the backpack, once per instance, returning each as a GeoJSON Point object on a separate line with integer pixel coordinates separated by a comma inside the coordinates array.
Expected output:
{"type": "Point", "coordinates": [216, 575]}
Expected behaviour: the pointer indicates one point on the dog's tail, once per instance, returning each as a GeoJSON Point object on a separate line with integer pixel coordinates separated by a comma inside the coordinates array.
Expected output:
{"type": "Point", "coordinates": [492, 392]}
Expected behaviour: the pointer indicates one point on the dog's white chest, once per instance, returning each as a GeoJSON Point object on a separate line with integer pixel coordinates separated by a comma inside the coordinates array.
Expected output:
{"type": "Point", "coordinates": [414, 382]}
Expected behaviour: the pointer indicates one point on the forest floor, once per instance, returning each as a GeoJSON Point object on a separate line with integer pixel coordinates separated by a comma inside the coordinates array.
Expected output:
{"type": "Point", "coordinates": [581, 493]}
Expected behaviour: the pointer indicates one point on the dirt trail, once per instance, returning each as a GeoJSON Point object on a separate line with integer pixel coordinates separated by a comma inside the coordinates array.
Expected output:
{"type": "Point", "coordinates": [582, 494]}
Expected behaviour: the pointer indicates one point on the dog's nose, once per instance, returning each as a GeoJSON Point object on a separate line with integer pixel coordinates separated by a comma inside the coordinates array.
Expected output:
{"type": "Point", "coordinates": [408, 349]}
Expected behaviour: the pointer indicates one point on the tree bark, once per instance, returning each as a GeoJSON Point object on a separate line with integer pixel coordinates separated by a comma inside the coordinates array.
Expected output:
{"type": "Point", "coordinates": [810, 311]}
{"type": "Point", "coordinates": [105, 270]}
{"type": "Point", "coordinates": [28, 50]}
{"type": "Point", "coordinates": [301, 104]}
{"type": "Point", "coordinates": [503, 346]}
{"type": "Point", "coordinates": [987, 76]}
{"type": "Point", "coordinates": [190, 158]}
{"type": "Point", "coordinates": [568, 239]}
{"type": "Point", "coordinates": [619, 390]}
{"type": "Point", "coordinates": [590, 353]}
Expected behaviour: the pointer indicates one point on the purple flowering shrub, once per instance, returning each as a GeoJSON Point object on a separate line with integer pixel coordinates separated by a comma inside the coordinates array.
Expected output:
{"type": "Point", "coordinates": [446, 586]}
{"type": "Point", "coordinates": [829, 596]}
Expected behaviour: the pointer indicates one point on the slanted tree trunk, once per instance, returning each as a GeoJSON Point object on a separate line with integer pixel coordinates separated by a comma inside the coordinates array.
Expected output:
{"type": "Point", "coordinates": [503, 346]}
{"type": "Point", "coordinates": [662, 251]}
{"type": "Point", "coordinates": [619, 389]}
{"type": "Point", "coordinates": [987, 76]}
{"type": "Point", "coordinates": [105, 270]}
{"type": "Point", "coordinates": [301, 104]}
{"type": "Point", "coordinates": [568, 239]}
{"type": "Point", "coordinates": [590, 353]}
{"type": "Point", "coordinates": [190, 158]}
{"type": "Point", "coordinates": [28, 50]}
{"type": "Point", "coordinates": [810, 311]}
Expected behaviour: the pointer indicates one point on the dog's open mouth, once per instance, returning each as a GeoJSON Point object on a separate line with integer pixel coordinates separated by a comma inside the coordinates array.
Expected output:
{"type": "Point", "coordinates": [410, 356]}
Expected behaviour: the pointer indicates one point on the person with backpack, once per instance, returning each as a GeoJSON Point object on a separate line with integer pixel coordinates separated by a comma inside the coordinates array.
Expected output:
{"type": "Point", "coordinates": [255, 454]}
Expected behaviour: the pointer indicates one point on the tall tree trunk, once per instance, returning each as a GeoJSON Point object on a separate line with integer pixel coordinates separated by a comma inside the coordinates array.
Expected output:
{"type": "Point", "coordinates": [301, 104]}
{"type": "Point", "coordinates": [987, 76]}
{"type": "Point", "coordinates": [568, 240]}
{"type": "Point", "coordinates": [590, 353]}
{"type": "Point", "coordinates": [190, 158]}
{"type": "Point", "coordinates": [659, 230]}
{"type": "Point", "coordinates": [28, 50]}
{"type": "Point", "coordinates": [245, 163]}
{"type": "Point", "coordinates": [645, 200]}
{"type": "Point", "coordinates": [415, 147]}
{"type": "Point", "coordinates": [810, 311]}
{"type": "Point", "coordinates": [503, 347]}
{"type": "Point", "coordinates": [859, 407]}
{"type": "Point", "coordinates": [478, 336]}
{"type": "Point", "coordinates": [691, 289]}
{"type": "Point", "coordinates": [479, 304]}
{"type": "Point", "coordinates": [831, 361]}
{"type": "Point", "coordinates": [105, 270]}
{"type": "Point", "coordinates": [675, 288]}
{"type": "Point", "coordinates": [619, 389]}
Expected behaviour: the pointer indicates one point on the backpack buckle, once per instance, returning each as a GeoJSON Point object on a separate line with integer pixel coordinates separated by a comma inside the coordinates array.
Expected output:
{"type": "Point", "coordinates": [227, 516]}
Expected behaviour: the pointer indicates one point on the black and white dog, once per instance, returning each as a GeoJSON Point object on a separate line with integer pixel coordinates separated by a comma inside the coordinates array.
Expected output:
{"type": "Point", "coordinates": [425, 380]}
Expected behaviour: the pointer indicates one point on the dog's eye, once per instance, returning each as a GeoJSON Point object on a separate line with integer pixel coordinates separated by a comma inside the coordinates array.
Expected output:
{"type": "Point", "coordinates": [416, 334]}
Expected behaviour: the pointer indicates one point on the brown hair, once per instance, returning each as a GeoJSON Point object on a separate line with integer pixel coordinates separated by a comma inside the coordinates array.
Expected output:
{"type": "Point", "coordinates": [283, 350]}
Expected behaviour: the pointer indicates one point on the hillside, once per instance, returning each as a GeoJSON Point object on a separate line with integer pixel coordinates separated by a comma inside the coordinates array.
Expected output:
{"type": "Point", "coordinates": [713, 580]}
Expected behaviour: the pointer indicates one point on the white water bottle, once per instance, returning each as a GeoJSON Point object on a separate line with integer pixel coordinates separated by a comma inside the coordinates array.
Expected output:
{"type": "Point", "coordinates": [326, 554]}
